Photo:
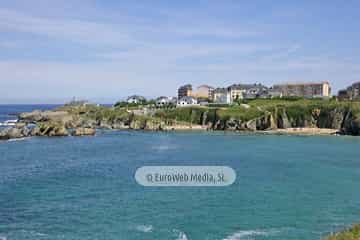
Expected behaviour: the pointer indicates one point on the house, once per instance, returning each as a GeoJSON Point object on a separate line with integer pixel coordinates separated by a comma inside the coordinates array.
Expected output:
{"type": "Point", "coordinates": [204, 91]}
{"type": "Point", "coordinates": [306, 90]}
{"type": "Point", "coordinates": [185, 91]}
{"type": "Point", "coordinates": [256, 91]}
{"type": "Point", "coordinates": [186, 101]}
{"type": "Point", "coordinates": [221, 96]}
{"type": "Point", "coordinates": [236, 91]}
{"type": "Point", "coordinates": [136, 99]}
{"type": "Point", "coordinates": [165, 101]}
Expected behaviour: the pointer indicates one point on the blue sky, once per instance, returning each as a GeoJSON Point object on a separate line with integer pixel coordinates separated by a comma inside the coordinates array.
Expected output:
{"type": "Point", "coordinates": [107, 50]}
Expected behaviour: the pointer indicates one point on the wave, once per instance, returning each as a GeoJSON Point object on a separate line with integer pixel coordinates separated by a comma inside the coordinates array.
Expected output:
{"type": "Point", "coordinates": [164, 147]}
{"type": "Point", "coordinates": [9, 122]}
{"type": "Point", "coordinates": [247, 234]}
{"type": "Point", "coordinates": [145, 228]}
{"type": "Point", "coordinates": [3, 238]}
{"type": "Point", "coordinates": [180, 235]}
{"type": "Point", "coordinates": [17, 139]}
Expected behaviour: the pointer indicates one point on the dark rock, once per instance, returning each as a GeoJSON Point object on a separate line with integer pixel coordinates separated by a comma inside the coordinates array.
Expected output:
{"type": "Point", "coordinates": [204, 118]}
{"type": "Point", "coordinates": [283, 120]}
{"type": "Point", "coordinates": [351, 125]}
{"type": "Point", "coordinates": [331, 118]}
{"type": "Point", "coordinates": [233, 124]}
{"type": "Point", "coordinates": [266, 123]}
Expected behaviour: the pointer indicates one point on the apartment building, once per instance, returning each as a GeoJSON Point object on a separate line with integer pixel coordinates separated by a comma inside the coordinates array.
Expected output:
{"type": "Point", "coordinates": [221, 95]}
{"type": "Point", "coordinates": [204, 91]}
{"type": "Point", "coordinates": [185, 91]}
{"type": "Point", "coordinates": [350, 93]}
{"type": "Point", "coordinates": [307, 90]}
{"type": "Point", "coordinates": [247, 91]}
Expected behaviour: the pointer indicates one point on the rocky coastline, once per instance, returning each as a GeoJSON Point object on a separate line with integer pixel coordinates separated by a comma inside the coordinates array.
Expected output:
{"type": "Point", "coordinates": [84, 120]}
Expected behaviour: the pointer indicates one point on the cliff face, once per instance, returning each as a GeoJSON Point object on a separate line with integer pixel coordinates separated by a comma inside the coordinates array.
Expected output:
{"type": "Point", "coordinates": [80, 121]}
{"type": "Point", "coordinates": [350, 125]}
{"type": "Point", "coordinates": [57, 122]}
{"type": "Point", "coordinates": [341, 119]}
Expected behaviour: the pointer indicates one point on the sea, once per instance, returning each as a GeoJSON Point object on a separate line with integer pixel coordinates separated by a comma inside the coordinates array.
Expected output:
{"type": "Point", "coordinates": [287, 187]}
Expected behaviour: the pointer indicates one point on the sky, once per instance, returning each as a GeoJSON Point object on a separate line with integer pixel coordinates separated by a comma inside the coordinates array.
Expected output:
{"type": "Point", "coordinates": [104, 51]}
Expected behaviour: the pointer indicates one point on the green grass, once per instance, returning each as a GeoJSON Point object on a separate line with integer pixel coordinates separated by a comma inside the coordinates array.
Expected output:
{"type": "Point", "coordinates": [239, 113]}
{"type": "Point", "coordinates": [297, 109]}
{"type": "Point", "coordinates": [352, 233]}
{"type": "Point", "coordinates": [183, 114]}
{"type": "Point", "coordinates": [97, 112]}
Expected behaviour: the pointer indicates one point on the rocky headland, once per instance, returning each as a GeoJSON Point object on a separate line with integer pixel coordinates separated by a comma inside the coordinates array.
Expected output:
{"type": "Point", "coordinates": [303, 118]}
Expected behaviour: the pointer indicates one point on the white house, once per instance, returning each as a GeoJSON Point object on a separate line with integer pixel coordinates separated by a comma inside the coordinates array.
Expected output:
{"type": "Point", "coordinates": [165, 101]}
{"type": "Point", "coordinates": [186, 101]}
{"type": "Point", "coordinates": [136, 99]}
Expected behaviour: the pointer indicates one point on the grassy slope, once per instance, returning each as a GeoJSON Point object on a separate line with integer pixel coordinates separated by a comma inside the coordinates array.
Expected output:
{"type": "Point", "coordinates": [295, 109]}
{"type": "Point", "coordinates": [352, 233]}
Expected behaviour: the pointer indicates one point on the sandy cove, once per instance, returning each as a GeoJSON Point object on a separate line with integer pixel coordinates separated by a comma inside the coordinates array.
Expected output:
{"type": "Point", "coordinates": [285, 131]}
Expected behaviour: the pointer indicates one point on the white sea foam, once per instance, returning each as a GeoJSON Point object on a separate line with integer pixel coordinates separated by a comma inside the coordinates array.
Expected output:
{"type": "Point", "coordinates": [9, 122]}
{"type": "Point", "coordinates": [40, 234]}
{"type": "Point", "coordinates": [164, 147]}
{"type": "Point", "coordinates": [180, 235]}
{"type": "Point", "coordinates": [248, 234]}
{"type": "Point", "coordinates": [17, 139]}
{"type": "Point", "coordinates": [3, 238]}
{"type": "Point", "coordinates": [145, 228]}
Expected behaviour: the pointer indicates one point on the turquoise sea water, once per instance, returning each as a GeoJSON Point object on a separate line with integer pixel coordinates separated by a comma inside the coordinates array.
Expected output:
{"type": "Point", "coordinates": [287, 187]}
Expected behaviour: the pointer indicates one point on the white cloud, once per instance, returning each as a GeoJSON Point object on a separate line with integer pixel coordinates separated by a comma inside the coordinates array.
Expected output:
{"type": "Point", "coordinates": [74, 30]}
{"type": "Point", "coordinates": [30, 79]}
{"type": "Point", "coordinates": [156, 56]}
{"type": "Point", "coordinates": [114, 35]}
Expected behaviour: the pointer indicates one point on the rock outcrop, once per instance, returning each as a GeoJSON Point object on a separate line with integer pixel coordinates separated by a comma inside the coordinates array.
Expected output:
{"type": "Point", "coordinates": [84, 121]}
{"type": "Point", "coordinates": [350, 125]}
{"type": "Point", "coordinates": [341, 119]}
{"type": "Point", "coordinates": [49, 129]}
{"type": "Point", "coordinates": [84, 131]}
{"type": "Point", "coordinates": [46, 116]}
{"type": "Point", "coordinates": [14, 132]}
